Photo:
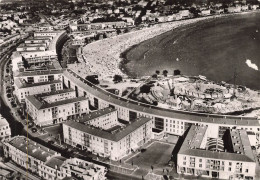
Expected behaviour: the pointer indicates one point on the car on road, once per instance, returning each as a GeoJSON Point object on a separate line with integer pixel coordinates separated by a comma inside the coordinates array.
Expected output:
{"type": "Point", "coordinates": [30, 124]}
{"type": "Point", "coordinates": [50, 142]}
{"type": "Point", "coordinates": [13, 105]}
{"type": "Point", "coordinates": [34, 130]}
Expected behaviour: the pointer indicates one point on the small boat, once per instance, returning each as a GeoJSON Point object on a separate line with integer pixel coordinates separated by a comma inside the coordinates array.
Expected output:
{"type": "Point", "coordinates": [256, 31]}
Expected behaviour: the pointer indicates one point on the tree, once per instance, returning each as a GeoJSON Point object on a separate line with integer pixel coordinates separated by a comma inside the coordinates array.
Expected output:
{"type": "Point", "coordinates": [118, 31]}
{"type": "Point", "coordinates": [165, 72]}
{"type": "Point", "coordinates": [155, 103]}
{"type": "Point", "coordinates": [157, 72]}
{"type": "Point", "coordinates": [154, 76]}
{"type": "Point", "coordinates": [93, 79]}
{"type": "Point", "coordinates": [145, 88]}
{"type": "Point", "coordinates": [117, 78]}
{"type": "Point", "coordinates": [176, 72]}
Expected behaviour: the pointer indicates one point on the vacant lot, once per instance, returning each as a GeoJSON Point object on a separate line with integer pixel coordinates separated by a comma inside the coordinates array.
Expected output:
{"type": "Point", "coordinates": [157, 155]}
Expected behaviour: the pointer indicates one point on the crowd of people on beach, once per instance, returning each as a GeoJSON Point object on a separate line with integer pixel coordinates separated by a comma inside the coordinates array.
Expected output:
{"type": "Point", "coordinates": [103, 57]}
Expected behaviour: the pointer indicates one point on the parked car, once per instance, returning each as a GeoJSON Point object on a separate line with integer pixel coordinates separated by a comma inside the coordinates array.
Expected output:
{"type": "Point", "coordinates": [34, 130]}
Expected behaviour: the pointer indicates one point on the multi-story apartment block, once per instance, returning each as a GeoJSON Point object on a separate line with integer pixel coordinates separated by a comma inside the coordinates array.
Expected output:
{"type": "Point", "coordinates": [98, 26]}
{"type": "Point", "coordinates": [36, 40]}
{"type": "Point", "coordinates": [166, 121]}
{"type": "Point", "coordinates": [39, 76]}
{"type": "Point", "coordinates": [31, 47]}
{"type": "Point", "coordinates": [24, 88]}
{"type": "Point", "coordinates": [47, 163]}
{"type": "Point", "coordinates": [42, 49]}
{"type": "Point", "coordinates": [5, 131]}
{"type": "Point", "coordinates": [230, 157]}
{"type": "Point", "coordinates": [115, 142]}
{"type": "Point", "coordinates": [55, 107]}
{"type": "Point", "coordinates": [105, 118]}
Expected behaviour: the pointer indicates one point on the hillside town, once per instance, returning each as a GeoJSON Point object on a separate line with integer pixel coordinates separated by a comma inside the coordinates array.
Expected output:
{"type": "Point", "coordinates": [69, 112]}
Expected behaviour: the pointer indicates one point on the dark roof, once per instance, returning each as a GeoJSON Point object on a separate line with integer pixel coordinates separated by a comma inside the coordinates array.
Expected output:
{"type": "Point", "coordinates": [39, 38]}
{"type": "Point", "coordinates": [54, 92]}
{"type": "Point", "coordinates": [105, 134]}
{"type": "Point", "coordinates": [192, 142]}
{"type": "Point", "coordinates": [217, 155]}
{"type": "Point", "coordinates": [194, 138]}
{"type": "Point", "coordinates": [31, 147]}
{"type": "Point", "coordinates": [40, 72]}
{"type": "Point", "coordinates": [241, 143]}
{"type": "Point", "coordinates": [157, 111]}
{"type": "Point", "coordinates": [115, 128]}
{"type": "Point", "coordinates": [40, 104]}
{"type": "Point", "coordinates": [20, 84]}
{"type": "Point", "coordinates": [95, 114]}
{"type": "Point", "coordinates": [32, 45]}
{"type": "Point", "coordinates": [56, 162]}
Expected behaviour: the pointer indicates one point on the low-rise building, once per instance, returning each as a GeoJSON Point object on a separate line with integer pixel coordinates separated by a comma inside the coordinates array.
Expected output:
{"type": "Point", "coordinates": [55, 107]}
{"type": "Point", "coordinates": [24, 88]}
{"type": "Point", "coordinates": [49, 164]}
{"type": "Point", "coordinates": [228, 158]}
{"type": "Point", "coordinates": [5, 131]}
{"type": "Point", "coordinates": [31, 47]}
{"type": "Point", "coordinates": [205, 12]}
{"type": "Point", "coordinates": [116, 142]}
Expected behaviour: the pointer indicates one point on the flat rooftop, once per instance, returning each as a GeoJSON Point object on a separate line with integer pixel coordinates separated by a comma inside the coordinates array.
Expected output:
{"type": "Point", "coordinates": [108, 135]}
{"type": "Point", "coordinates": [32, 45]}
{"type": "Point", "coordinates": [52, 93]}
{"type": "Point", "coordinates": [56, 162]}
{"type": "Point", "coordinates": [38, 73]}
{"type": "Point", "coordinates": [96, 114]}
{"type": "Point", "coordinates": [22, 84]}
{"type": "Point", "coordinates": [39, 38]}
{"type": "Point", "coordinates": [39, 103]}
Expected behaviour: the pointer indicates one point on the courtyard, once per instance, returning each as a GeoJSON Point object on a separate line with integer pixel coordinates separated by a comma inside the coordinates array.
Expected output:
{"type": "Point", "coordinates": [154, 159]}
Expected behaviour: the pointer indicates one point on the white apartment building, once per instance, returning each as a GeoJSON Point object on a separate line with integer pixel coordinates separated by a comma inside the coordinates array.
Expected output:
{"type": "Point", "coordinates": [35, 53]}
{"type": "Point", "coordinates": [49, 164]}
{"type": "Point", "coordinates": [55, 107]}
{"type": "Point", "coordinates": [48, 33]}
{"type": "Point", "coordinates": [105, 118]}
{"type": "Point", "coordinates": [115, 143]}
{"type": "Point", "coordinates": [166, 121]}
{"type": "Point", "coordinates": [24, 88]}
{"type": "Point", "coordinates": [36, 40]}
{"type": "Point", "coordinates": [5, 131]}
{"type": "Point", "coordinates": [39, 76]}
{"type": "Point", "coordinates": [31, 47]}
{"type": "Point", "coordinates": [200, 155]}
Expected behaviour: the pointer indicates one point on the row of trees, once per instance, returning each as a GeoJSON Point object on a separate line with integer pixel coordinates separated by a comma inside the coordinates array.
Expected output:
{"type": "Point", "coordinates": [165, 73]}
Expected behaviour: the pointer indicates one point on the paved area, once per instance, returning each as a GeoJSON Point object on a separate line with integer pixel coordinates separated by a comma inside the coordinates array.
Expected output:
{"type": "Point", "coordinates": [23, 172]}
{"type": "Point", "coordinates": [153, 160]}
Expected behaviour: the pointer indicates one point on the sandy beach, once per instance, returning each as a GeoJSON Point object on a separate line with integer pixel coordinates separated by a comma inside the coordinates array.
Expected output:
{"type": "Point", "coordinates": [104, 56]}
